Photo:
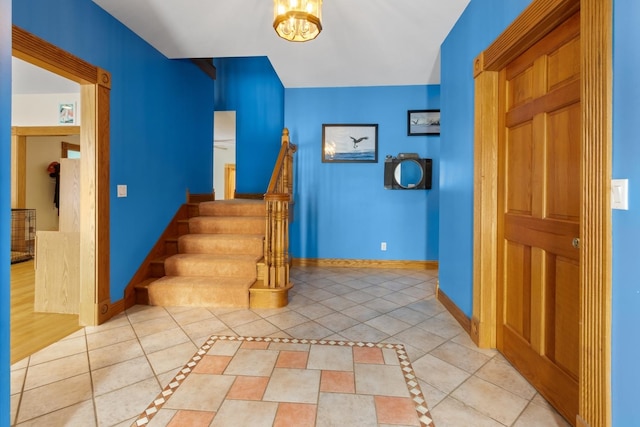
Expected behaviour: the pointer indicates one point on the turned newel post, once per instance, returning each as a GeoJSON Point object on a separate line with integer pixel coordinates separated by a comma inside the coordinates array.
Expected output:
{"type": "Point", "coordinates": [277, 241]}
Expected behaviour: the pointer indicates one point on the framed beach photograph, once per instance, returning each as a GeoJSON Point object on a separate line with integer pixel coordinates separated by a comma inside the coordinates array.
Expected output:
{"type": "Point", "coordinates": [350, 143]}
{"type": "Point", "coordinates": [423, 122]}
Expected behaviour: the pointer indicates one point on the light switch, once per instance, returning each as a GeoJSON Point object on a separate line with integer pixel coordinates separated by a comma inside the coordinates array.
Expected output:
{"type": "Point", "coordinates": [122, 191]}
{"type": "Point", "coordinates": [620, 194]}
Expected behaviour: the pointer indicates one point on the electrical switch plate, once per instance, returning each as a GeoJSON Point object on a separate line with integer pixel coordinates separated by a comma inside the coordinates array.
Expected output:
{"type": "Point", "coordinates": [620, 194]}
{"type": "Point", "coordinates": [383, 246]}
{"type": "Point", "coordinates": [122, 191]}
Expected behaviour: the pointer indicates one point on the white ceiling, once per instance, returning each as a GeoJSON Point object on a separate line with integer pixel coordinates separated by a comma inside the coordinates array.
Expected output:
{"type": "Point", "coordinates": [363, 42]}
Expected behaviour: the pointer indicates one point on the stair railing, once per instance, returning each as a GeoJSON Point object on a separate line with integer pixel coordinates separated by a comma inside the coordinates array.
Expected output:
{"type": "Point", "coordinates": [278, 200]}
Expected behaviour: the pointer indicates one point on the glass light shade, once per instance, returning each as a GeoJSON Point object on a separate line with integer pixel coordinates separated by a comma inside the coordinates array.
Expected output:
{"type": "Point", "coordinates": [297, 20]}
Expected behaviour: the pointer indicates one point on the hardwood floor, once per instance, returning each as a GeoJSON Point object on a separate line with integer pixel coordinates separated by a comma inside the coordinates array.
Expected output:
{"type": "Point", "coordinates": [31, 331]}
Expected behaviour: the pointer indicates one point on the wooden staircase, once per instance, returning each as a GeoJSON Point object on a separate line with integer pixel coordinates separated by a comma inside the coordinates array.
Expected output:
{"type": "Point", "coordinates": [228, 253]}
{"type": "Point", "coordinates": [214, 259]}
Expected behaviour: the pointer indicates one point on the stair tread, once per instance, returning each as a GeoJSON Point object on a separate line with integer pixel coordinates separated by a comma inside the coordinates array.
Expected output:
{"type": "Point", "coordinates": [251, 258]}
{"type": "Point", "coordinates": [221, 236]}
{"type": "Point", "coordinates": [204, 280]}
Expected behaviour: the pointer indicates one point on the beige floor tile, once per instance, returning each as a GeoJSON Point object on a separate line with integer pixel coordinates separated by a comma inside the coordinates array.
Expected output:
{"type": "Point", "coordinates": [309, 330]}
{"type": "Point", "coordinates": [293, 385]}
{"type": "Point", "coordinates": [430, 307]}
{"type": "Point", "coordinates": [464, 339]}
{"type": "Point", "coordinates": [315, 310]}
{"type": "Point", "coordinates": [142, 313]}
{"type": "Point", "coordinates": [356, 283]}
{"type": "Point", "coordinates": [335, 358]}
{"type": "Point", "coordinates": [54, 396]}
{"type": "Point", "coordinates": [418, 338]}
{"type": "Point", "coordinates": [21, 364]}
{"type": "Point", "coordinates": [387, 324]}
{"type": "Point", "coordinates": [460, 356]}
{"type": "Point", "coordinates": [205, 328]}
{"type": "Point", "coordinates": [153, 326]}
{"type": "Point", "coordinates": [120, 375]}
{"type": "Point", "coordinates": [338, 303]}
{"type": "Point", "coordinates": [337, 409]}
{"type": "Point", "coordinates": [80, 414]}
{"type": "Point", "coordinates": [125, 403]}
{"type": "Point", "coordinates": [337, 322]}
{"type": "Point", "coordinates": [239, 317]}
{"type": "Point", "coordinates": [390, 356]}
{"type": "Point", "coordinates": [400, 298]}
{"type": "Point", "coordinates": [117, 321]}
{"type": "Point", "coordinates": [418, 292]}
{"type": "Point", "coordinates": [60, 349]}
{"type": "Point", "coordinates": [110, 336]}
{"type": "Point", "coordinates": [245, 413]}
{"type": "Point", "coordinates": [381, 380]}
{"type": "Point", "coordinates": [318, 294]}
{"type": "Point", "coordinates": [162, 418]}
{"type": "Point", "coordinates": [257, 363]}
{"type": "Point", "coordinates": [171, 359]}
{"type": "Point", "coordinates": [56, 370]}
{"type": "Point", "coordinates": [191, 315]}
{"type": "Point", "coordinates": [536, 415]}
{"type": "Point", "coordinates": [361, 313]}
{"type": "Point", "coordinates": [409, 316]}
{"type": "Point", "coordinates": [115, 353]}
{"type": "Point", "coordinates": [17, 380]}
{"type": "Point", "coordinates": [338, 289]}
{"type": "Point", "coordinates": [283, 346]}
{"type": "Point", "coordinates": [432, 395]}
{"type": "Point", "coordinates": [359, 296]}
{"type": "Point", "coordinates": [452, 413]}
{"type": "Point", "coordinates": [224, 348]}
{"type": "Point", "coordinates": [491, 400]}
{"type": "Point", "coordinates": [257, 328]}
{"type": "Point", "coordinates": [378, 291]}
{"type": "Point", "coordinates": [499, 372]}
{"type": "Point", "coordinates": [441, 327]}
{"type": "Point", "coordinates": [382, 305]}
{"type": "Point", "coordinates": [163, 339]}
{"type": "Point", "coordinates": [287, 319]}
{"type": "Point", "coordinates": [365, 333]}
{"type": "Point", "coordinates": [201, 392]}
{"type": "Point", "coordinates": [14, 402]}
{"type": "Point", "coordinates": [441, 375]}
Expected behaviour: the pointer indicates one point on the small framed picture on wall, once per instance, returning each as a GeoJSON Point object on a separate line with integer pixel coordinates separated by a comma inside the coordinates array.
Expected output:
{"type": "Point", "coordinates": [66, 114]}
{"type": "Point", "coordinates": [423, 122]}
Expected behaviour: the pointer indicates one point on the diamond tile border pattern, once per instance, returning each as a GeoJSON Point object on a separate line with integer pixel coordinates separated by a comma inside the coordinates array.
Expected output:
{"type": "Point", "coordinates": [424, 416]}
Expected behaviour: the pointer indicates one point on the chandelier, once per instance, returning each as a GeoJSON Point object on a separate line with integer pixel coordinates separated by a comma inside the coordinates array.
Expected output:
{"type": "Point", "coordinates": [297, 20]}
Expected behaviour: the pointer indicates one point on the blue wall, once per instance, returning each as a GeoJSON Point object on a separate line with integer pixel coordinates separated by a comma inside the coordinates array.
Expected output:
{"type": "Point", "coordinates": [251, 88]}
{"type": "Point", "coordinates": [161, 123]}
{"type": "Point", "coordinates": [626, 224]}
{"type": "Point", "coordinates": [481, 22]}
{"type": "Point", "coordinates": [5, 205]}
{"type": "Point", "coordinates": [342, 209]}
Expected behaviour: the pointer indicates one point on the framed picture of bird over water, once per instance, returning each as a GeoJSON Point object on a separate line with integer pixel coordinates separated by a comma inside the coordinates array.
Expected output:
{"type": "Point", "coordinates": [423, 122]}
{"type": "Point", "coordinates": [350, 143]}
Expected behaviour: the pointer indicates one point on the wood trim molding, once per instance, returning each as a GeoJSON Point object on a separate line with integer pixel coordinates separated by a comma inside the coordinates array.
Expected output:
{"type": "Point", "coordinates": [237, 195]}
{"type": "Point", "coordinates": [363, 263]}
{"type": "Point", "coordinates": [595, 229]}
{"type": "Point", "coordinates": [595, 257]}
{"type": "Point", "coordinates": [45, 130]}
{"type": "Point", "coordinates": [65, 147]}
{"type": "Point", "coordinates": [452, 308]}
{"type": "Point", "coordinates": [94, 171]}
{"type": "Point", "coordinates": [533, 24]}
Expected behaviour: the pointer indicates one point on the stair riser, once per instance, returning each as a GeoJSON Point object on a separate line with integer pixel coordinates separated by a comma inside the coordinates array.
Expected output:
{"type": "Point", "coordinates": [221, 247]}
{"type": "Point", "coordinates": [183, 267]}
{"type": "Point", "coordinates": [212, 225]}
{"type": "Point", "coordinates": [185, 295]}
{"type": "Point", "coordinates": [156, 269]}
{"type": "Point", "coordinates": [219, 209]}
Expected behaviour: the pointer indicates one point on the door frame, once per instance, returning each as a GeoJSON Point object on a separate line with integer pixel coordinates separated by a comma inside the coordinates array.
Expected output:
{"type": "Point", "coordinates": [95, 87]}
{"type": "Point", "coordinates": [535, 22]}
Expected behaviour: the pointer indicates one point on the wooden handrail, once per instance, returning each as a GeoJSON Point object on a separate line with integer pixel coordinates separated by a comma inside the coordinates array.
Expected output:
{"type": "Point", "coordinates": [278, 198]}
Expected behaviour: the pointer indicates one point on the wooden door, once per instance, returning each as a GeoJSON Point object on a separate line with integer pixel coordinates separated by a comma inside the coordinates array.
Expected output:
{"type": "Point", "coordinates": [229, 180]}
{"type": "Point", "coordinates": [539, 222]}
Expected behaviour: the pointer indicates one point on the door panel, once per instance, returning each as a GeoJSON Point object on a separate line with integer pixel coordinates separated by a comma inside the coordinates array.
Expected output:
{"type": "Point", "coordinates": [539, 194]}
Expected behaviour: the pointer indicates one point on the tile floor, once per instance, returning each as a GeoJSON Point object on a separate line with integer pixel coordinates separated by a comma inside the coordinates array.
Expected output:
{"type": "Point", "coordinates": [108, 375]}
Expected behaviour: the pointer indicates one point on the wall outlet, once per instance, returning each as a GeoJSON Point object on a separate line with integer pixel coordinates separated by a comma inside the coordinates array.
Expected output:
{"type": "Point", "coordinates": [383, 246]}
{"type": "Point", "coordinates": [122, 190]}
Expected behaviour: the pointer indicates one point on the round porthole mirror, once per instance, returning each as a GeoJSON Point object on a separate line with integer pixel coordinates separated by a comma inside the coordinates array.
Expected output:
{"type": "Point", "coordinates": [408, 173]}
